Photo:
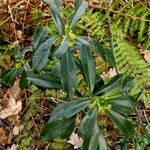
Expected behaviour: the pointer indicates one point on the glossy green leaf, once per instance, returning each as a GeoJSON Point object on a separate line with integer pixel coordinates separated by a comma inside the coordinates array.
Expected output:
{"type": "Point", "coordinates": [112, 85]}
{"type": "Point", "coordinates": [125, 104]}
{"type": "Point", "coordinates": [9, 76]}
{"type": "Point", "coordinates": [99, 82]}
{"type": "Point", "coordinates": [59, 128]}
{"type": "Point", "coordinates": [28, 70]}
{"type": "Point", "coordinates": [39, 37]}
{"type": "Point", "coordinates": [88, 65]}
{"type": "Point", "coordinates": [68, 74]}
{"type": "Point", "coordinates": [91, 133]}
{"type": "Point", "coordinates": [58, 3]}
{"type": "Point", "coordinates": [125, 126]}
{"type": "Point", "coordinates": [44, 82]}
{"type": "Point", "coordinates": [56, 70]}
{"type": "Point", "coordinates": [68, 109]}
{"type": "Point", "coordinates": [95, 46]}
{"type": "Point", "coordinates": [23, 80]}
{"type": "Point", "coordinates": [80, 8]}
{"type": "Point", "coordinates": [128, 84]}
{"type": "Point", "coordinates": [40, 58]}
{"type": "Point", "coordinates": [108, 53]}
{"type": "Point", "coordinates": [56, 14]}
{"type": "Point", "coordinates": [62, 48]}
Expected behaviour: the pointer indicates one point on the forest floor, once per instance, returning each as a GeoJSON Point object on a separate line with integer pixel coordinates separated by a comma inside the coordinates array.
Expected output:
{"type": "Point", "coordinates": [23, 113]}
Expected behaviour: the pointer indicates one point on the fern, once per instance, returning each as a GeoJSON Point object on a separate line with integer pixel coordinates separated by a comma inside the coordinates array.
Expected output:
{"type": "Point", "coordinates": [127, 22]}
{"type": "Point", "coordinates": [134, 20]}
{"type": "Point", "coordinates": [130, 62]}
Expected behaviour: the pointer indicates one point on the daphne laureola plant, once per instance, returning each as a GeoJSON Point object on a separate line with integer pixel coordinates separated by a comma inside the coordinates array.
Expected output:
{"type": "Point", "coordinates": [73, 55]}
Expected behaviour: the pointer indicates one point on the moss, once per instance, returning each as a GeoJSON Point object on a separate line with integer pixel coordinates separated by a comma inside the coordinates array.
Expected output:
{"type": "Point", "coordinates": [60, 144]}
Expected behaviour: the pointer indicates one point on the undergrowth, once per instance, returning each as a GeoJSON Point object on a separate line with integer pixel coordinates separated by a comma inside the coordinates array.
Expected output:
{"type": "Point", "coordinates": [115, 27]}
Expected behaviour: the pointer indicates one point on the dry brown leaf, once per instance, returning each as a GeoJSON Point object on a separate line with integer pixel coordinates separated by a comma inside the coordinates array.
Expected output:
{"type": "Point", "coordinates": [111, 73]}
{"type": "Point", "coordinates": [13, 106]}
{"type": "Point", "coordinates": [14, 91]}
{"type": "Point", "coordinates": [12, 109]}
{"type": "Point", "coordinates": [75, 141]}
{"type": "Point", "coordinates": [147, 56]}
{"type": "Point", "coordinates": [4, 138]}
{"type": "Point", "coordinates": [13, 147]}
{"type": "Point", "coordinates": [2, 134]}
{"type": "Point", "coordinates": [17, 129]}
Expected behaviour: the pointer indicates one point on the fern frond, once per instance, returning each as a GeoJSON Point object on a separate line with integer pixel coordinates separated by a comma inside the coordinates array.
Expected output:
{"type": "Point", "coordinates": [130, 62]}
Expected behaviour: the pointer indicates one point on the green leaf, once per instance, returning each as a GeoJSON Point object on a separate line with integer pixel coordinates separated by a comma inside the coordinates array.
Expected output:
{"type": "Point", "coordinates": [62, 48]}
{"type": "Point", "coordinates": [39, 37]}
{"type": "Point", "coordinates": [80, 8]}
{"type": "Point", "coordinates": [44, 81]}
{"type": "Point", "coordinates": [125, 126]}
{"type": "Point", "coordinates": [125, 104]}
{"type": "Point", "coordinates": [56, 14]}
{"type": "Point", "coordinates": [23, 80]}
{"type": "Point", "coordinates": [68, 109]}
{"type": "Point", "coordinates": [88, 65]}
{"type": "Point", "coordinates": [95, 46]}
{"type": "Point", "coordinates": [28, 70]}
{"type": "Point", "coordinates": [40, 58]}
{"type": "Point", "coordinates": [112, 85]}
{"type": "Point", "coordinates": [58, 3]}
{"type": "Point", "coordinates": [59, 128]}
{"type": "Point", "coordinates": [91, 133]}
{"type": "Point", "coordinates": [128, 84]}
{"type": "Point", "coordinates": [26, 49]}
{"type": "Point", "coordinates": [9, 76]}
{"type": "Point", "coordinates": [68, 74]}
{"type": "Point", "coordinates": [98, 83]}
{"type": "Point", "coordinates": [56, 70]}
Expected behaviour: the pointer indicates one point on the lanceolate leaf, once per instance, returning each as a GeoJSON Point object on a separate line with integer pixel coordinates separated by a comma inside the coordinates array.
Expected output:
{"type": "Point", "coordinates": [88, 65]}
{"type": "Point", "coordinates": [112, 85]}
{"type": "Point", "coordinates": [118, 84]}
{"type": "Point", "coordinates": [39, 37]}
{"type": "Point", "coordinates": [9, 76]}
{"type": "Point", "coordinates": [94, 45]}
{"type": "Point", "coordinates": [56, 70]}
{"type": "Point", "coordinates": [62, 48]}
{"type": "Point", "coordinates": [23, 80]}
{"type": "Point", "coordinates": [59, 128]}
{"type": "Point", "coordinates": [58, 3]}
{"type": "Point", "coordinates": [68, 109]}
{"type": "Point", "coordinates": [92, 136]}
{"type": "Point", "coordinates": [80, 8]}
{"type": "Point", "coordinates": [40, 58]}
{"type": "Point", "coordinates": [56, 14]}
{"type": "Point", "coordinates": [28, 70]}
{"type": "Point", "coordinates": [128, 84]}
{"type": "Point", "coordinates": [123, 124]}
{"type": "Point", "coordinates": [125, 104]}
{"type": "Point", "coordinates": [68, 74]}
{"type": "Point", "coordinates": [44, 82]}
{"type": "Point", "coordinates": [98, 83]}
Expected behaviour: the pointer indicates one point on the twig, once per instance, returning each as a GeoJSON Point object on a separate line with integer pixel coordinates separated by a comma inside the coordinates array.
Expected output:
{"type": "Point", "coordinates": [47, 146]}
{"type": "Point", "coordinates": [146, 117]}
{"type": "Point", "coordinates": [14, 25]}
{"type": "Point", "coordinates": [2, 148]}
{"type": "Point", "coordinates": [5, 21]}
{"type": "Point", "coordinates": [25, 15]}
